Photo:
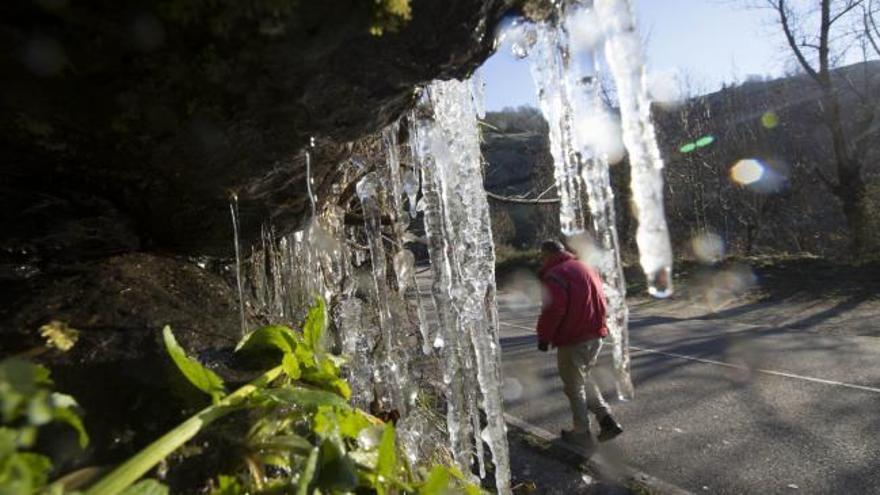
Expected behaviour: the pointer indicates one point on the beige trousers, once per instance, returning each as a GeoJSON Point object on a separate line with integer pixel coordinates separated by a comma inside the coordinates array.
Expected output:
{"type": "Point", "coordinates": [575, 364]}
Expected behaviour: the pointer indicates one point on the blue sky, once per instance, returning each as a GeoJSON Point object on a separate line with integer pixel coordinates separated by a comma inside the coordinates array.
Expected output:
{"type": "Point", "coordinates": [707, 41]}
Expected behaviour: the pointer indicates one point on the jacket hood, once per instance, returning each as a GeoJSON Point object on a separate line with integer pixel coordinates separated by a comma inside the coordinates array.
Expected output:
{"type": "Point", "coordinates": [557, 259]}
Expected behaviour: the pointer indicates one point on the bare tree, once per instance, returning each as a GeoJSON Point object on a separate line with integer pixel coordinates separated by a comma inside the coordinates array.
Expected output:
{"type": "Point", "coordinates": [819, 34]}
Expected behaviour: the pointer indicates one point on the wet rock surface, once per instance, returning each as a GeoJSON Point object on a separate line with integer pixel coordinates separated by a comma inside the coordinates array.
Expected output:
{"type": "Point", "coordinates": [118, 369]}
{"type": "Point", "coordinates": [161, 109]}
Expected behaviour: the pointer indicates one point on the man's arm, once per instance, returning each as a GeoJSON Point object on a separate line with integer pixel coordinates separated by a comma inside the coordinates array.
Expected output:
{"type": "Point", "coordinates": [553, 311]}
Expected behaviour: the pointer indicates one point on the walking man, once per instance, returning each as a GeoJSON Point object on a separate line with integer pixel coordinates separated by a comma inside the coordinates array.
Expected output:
{"type": "Point", "coordinates": [573, 321]}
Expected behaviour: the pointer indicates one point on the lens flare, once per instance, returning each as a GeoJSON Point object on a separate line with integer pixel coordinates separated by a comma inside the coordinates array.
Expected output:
{"type": "Point", "coordinates": [665, 89]}
{"type": "Point", "coordinates": [699, 143]}
{"type": "Point", "coordinates": [586, 32]}
{"type": "Point", "coordinates": [770, 119]}
{"type": "Point", "coordinates": [602, 132]}
{"type": "Point", "coordinates": [687, 148]}
{"type": "Point", "coordinates": [705, 141]}
{"type": "Point", "coordinates": [747, 171]}
{"type": "Point", "coordinates": [708, 247]}
{"type": "Point", "coordinates": [511, 389]}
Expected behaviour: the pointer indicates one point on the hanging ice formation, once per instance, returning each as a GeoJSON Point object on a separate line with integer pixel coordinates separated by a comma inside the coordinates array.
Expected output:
{"type": "Point", "coordinates": [233, 210]}
{"type": "Point", "coordinates": [361, 271]}
{"type": "Point", "coordinates": [564, 69]}
{"type": "Point", "coordinates": [445, 140]}
{"type": "Point", "coordinates": [623, 51]}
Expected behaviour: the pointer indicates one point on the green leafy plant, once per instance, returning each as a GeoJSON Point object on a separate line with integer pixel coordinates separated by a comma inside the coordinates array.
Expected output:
{"type": "Point", "coordinates": [303, 436]}
{"type": "Point", "coordinates": [28, 403]}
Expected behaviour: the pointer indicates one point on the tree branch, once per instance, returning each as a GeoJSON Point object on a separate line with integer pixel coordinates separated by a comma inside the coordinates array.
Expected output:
{"type": "Point", "coordinates": [782, 10]}
{"type": "Point", "coordinates": [824, 48]}
{"type": "Point", "coordinates": [825, 180]}
{"type": "Point", "coordinates": [508, 199]}
{"type": "Point", "coordinates": [852, 5]}
{"type": "Point", "coordinates": [872, 32]}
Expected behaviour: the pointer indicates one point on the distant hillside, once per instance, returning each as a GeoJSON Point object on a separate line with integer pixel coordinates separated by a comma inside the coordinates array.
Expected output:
{"type": "Point", "coordinates": [519, 164]}
{"type": "Point", "coordinates": [774, 124]}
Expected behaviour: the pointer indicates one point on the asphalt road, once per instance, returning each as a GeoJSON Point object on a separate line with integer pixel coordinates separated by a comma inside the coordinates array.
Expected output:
{"type": "Point", "coordinates": [722, 406]}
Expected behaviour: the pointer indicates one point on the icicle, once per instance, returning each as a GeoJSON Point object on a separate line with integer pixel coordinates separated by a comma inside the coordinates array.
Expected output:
{"type": "Point", "coordinates": [551, 60]}
{"type": "Point", "coordinates": [584, 87]}
{"type": "Point", "coordinates": [404, 268]}
{"type": "Point", "coordinates": [411, 187]}
{"type": "Point", "coordinates": [624, 54]}
{"type": "Point", "coordinates": [478, 93]}
{"type": "Point", "coordinates": [308, 156]}
{"type": "Point", "coordinates": [392, 367]}
{"type": "Point", "coordinates": [462, 257]}
{"type": "Point", "coordinates": [457, 421]}
{"type": "Point", "coordinates": [233, 209]}
{"type": "Point", "coordinates": [564, 68]}
{"type": "Point", "coordinates": [357, 339]}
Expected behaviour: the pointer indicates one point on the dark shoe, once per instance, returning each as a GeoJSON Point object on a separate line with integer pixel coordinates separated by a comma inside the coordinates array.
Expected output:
{"type": "Point", "coordinates": [609, 429]}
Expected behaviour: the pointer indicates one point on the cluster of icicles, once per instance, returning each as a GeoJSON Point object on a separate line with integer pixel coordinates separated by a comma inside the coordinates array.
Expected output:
{"type": "Point", "coordinates": [392, 334]}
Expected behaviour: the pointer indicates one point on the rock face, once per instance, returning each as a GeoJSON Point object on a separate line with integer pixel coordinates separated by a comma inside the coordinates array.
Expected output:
{"type": "Point", "coordinates": [118, 369]}
{"type": "Point", "coordinates": [128, 124]}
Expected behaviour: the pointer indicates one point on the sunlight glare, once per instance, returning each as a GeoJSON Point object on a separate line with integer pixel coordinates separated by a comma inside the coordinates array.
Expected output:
{"type": "Point", "coordinates": [747, 171]}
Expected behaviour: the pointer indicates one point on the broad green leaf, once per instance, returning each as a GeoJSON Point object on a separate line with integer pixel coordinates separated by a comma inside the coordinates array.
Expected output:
{"type": "Point", "coordinates": [306, 398]}
{"type": "Point", "coordinates": [305, 357]}
{"type": "Point", "coordinates": [334, 421]}
{"type": "Point", "coordinates": [20, 380]}
{"type": "Point", "coordinates": [291, 366]}
{"type": "Point", "coordinates": [325, 374]}
{"type": "Point", "coordinates": [387, 454]}
{"type": "Point", "coordinates": [42, 375]}
{"type": "Point", "coordinates": [352, 422]}
{"type": "Point", "coordinates": [8, 441]}
{"type": "Point", "coordinates": [65, 415]}
{"type": "Point", "coordinates": [337, 473]}
{"type": "Point", "coordinates": [469, 488]}
{"type": "Point", "coordinates": [437, 482]}
{"type": "Point", "coordinates": [32, 468]}
{"type": "Point", "coordinates": [305, 478]}
{"type": "Point", "coordinates": [146, 487]}
{"type": "Point", "coordinates": [341, 387]}
{"type": "Point", "coordinates": [286, 443]}
{"type": "Point", "coordinates": [313, 328]}
{"type": "Point", "coordinates": [202, 378]}
{"type": "Point", "coordinates": [39, 409]}
{"type": "Point", "coordinates": [27, 436]}
{"type": "Point", "coordinates": [274, 337]}
{"type": "Point", "coordinates": [228, 485]}
{"type": "Point", "coordinates": [23, 473]}
{"type": "Point", "coordinates": [325, 422]}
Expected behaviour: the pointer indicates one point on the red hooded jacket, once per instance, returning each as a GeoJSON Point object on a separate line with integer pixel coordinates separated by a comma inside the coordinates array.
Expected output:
{"type": "Point", "coordinates": [574, 302]}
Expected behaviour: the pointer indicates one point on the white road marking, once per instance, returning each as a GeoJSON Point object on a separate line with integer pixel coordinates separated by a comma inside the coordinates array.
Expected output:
{"type": "Point", "coordinates": [864, 388]}
{"type": "Point", "coordinates": [783, 374]}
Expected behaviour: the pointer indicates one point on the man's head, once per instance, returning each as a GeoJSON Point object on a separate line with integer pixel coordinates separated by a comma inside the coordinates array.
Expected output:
{"type": "Point", "coordinates": [551, 248]}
